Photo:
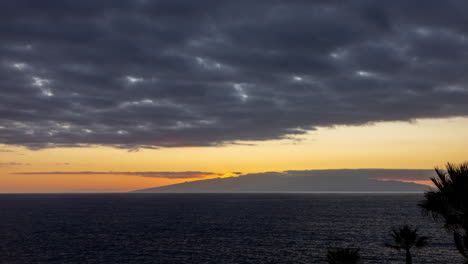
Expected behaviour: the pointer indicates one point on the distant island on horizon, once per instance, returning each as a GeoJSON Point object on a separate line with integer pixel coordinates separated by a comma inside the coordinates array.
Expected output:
{"type": "Point", "coordinates": [318, 181]}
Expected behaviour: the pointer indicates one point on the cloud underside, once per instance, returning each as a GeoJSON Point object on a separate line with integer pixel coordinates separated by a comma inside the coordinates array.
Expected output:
{"type": "Point", "coordinates": [150, 174]}
{"type": "Point", "coordinates": [136, 74]}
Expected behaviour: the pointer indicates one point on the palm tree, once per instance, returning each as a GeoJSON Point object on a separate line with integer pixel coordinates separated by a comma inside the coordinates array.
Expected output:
{"type": "Point", "coordinates": [343, 256]}
{"type": "Point", "coordinates": [405, 238]}
{"type": "Point", "coordinates": [449, 203]}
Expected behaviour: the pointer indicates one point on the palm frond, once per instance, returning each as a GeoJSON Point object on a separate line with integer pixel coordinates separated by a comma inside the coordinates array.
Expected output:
{"type": "Point", "coordinates": [448, 203]}
{"type": "Point", "coordinates": [345, 255]}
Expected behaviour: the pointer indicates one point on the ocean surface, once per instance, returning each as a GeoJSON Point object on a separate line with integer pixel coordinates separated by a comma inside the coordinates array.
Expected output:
{"type": "Point", "coordinates": [210, 228]}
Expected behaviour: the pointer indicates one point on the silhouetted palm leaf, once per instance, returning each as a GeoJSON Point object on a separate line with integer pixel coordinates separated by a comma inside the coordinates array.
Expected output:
{"type": "Point", "coordinates": [449, 203]}
{"type": "Point", "coordinates": [343, 256]}
{"type": "Point", "coordinates": [405, 238]}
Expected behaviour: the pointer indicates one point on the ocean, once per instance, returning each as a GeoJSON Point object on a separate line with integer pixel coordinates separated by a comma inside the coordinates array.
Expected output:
{"type": "Point", "coordinates": [211, 228]}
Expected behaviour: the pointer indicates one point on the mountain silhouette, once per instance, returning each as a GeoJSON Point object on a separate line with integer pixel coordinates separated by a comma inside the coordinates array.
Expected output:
{"type": "Point", "coordinates": [359, 180]}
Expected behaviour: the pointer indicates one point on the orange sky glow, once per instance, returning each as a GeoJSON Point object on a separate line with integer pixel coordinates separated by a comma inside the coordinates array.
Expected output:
{"type": "Point", "coordinates": [421, 144]}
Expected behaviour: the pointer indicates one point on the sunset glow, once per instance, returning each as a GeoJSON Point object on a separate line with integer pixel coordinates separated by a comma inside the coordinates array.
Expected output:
{"type": "Point", "coordinates": [122, 95]}
{"type": "Point", "coordinates": [422, 144]}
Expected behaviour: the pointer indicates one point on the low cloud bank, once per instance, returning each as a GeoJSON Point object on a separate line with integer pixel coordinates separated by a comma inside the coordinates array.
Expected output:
{"type": "Point", "coordinates": [151, 174]}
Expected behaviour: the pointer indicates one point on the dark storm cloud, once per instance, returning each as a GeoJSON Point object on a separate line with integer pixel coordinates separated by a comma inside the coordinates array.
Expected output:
{"type": "Point", "coordinates": [152, 174]}
{"type": "Point", "coordinates": [135, 74]}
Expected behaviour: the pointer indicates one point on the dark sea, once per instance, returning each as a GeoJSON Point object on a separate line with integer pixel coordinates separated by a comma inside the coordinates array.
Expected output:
{"type": "Point", "coordinates": [210, 228]}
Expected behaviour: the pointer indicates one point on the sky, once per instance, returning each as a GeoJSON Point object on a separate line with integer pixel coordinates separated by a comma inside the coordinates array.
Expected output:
{"type": "Point", "coordinates": [110, 96]}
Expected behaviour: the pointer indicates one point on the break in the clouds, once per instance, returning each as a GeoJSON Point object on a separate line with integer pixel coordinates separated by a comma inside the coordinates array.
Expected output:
{"type": "Point", "coordinates": [200, 73]}
{"type": "Point", "coordinates": [151, 174]}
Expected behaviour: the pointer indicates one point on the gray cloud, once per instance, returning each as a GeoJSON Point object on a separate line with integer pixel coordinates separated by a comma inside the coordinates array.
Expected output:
{"type": "Point", "coordinates": [152, 174]}
{"type": "Point", "coordinates": [136, 74]}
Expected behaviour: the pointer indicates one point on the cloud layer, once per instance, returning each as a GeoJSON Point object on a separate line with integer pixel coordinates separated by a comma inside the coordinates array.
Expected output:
{"type": "Point", "coordinates": [169, 73]}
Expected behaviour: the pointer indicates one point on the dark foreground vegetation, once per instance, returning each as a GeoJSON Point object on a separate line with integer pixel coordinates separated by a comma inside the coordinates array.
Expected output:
{"type": "Point", "coordinates": [447, 203]}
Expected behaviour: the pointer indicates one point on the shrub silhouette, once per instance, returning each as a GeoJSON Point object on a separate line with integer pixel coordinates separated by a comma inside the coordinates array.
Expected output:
{"type": "Point", "coordinates": [343, 256]}
{"type": "Point", "coordinates": [449, 203]}
{"type": "Point", "coordinates": [405, 238]}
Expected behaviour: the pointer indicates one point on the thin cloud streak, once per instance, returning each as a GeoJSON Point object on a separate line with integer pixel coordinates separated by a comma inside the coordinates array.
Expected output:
{"type": "Point", "coordinates": [13, 164]}
{"type": "Point", "coordinates": [150, 174]}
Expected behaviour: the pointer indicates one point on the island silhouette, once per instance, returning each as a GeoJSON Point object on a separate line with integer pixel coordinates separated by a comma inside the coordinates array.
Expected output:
{"type": "Point", "coordinates": [344, 180]}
